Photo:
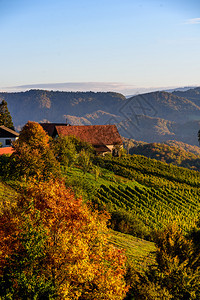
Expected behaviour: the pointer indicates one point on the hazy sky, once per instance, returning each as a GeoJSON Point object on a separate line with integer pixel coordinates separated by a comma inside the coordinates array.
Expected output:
{"type": "Point", "coordinates": [102, 44]}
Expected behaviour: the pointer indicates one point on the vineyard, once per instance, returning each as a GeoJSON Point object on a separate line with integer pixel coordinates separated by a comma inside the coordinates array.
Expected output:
{"type": "Point", "coordinates": [150, 171]}
{"type": "Point", "coordinates": [154, 207]}
{"type": "Point", "coordinates": [155, 194]}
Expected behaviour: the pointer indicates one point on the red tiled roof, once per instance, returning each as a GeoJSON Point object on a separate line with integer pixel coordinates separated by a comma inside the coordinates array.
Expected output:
{"type": "Point", "coordinates": [50, 127]}
{"type": "Point", "coordinates": [6, 150]}
{"type": "Point", "coordinates": [93, 134]}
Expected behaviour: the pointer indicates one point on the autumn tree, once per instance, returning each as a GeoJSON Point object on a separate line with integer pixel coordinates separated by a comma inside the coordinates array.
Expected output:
{"type": "Point", "coordinates": [5, 117]}
{"type": "Point", "coordinates": [23, 252]}
{"type": "Point", "coordinates": [74, 259]}
{"type": "Point", "coordinates": [65, 151]}
{"type": "Point", "coordinates": [69, 149]}
{"type": "Point", "coordinates": [84, 160]}
{"type": "Point", "coordinates": [32, 155]}
{"type": "Point", "coordinates": [174, 275]}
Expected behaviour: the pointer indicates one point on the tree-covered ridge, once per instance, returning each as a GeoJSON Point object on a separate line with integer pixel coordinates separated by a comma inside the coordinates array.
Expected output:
{"type": "Point", "coordinates": [184, 146]}
{"type": "Point", "coordinates": [168, 154]}
{"type": "Point", "coordinates": [151, 117]}
{"type": "Point", "coordinates": [131, 143]}
{"type": "Point", "coordinates": [53, 106]}
{"type": "Point", "coordinates": [191, 94]}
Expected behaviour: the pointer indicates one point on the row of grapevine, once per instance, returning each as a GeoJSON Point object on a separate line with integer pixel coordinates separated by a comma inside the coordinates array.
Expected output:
{"type": "Point", "coordinates": [155, 207]}
{"type": "Point", "coordinates": [150, 172]}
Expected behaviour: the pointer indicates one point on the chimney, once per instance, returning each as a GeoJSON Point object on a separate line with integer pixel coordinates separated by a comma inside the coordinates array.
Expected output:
{"type": "Point", "coordinates": [67, 124]}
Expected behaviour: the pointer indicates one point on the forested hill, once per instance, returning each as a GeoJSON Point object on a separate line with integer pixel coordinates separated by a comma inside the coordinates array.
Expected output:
{"type": "Point", "coordinates": [39, 105]}
{"type": "Point", "coordinates": [151, 117]}
{"type": "Point", "coordinates": [191, 94]}
{"type": "Point", "coordinates": [168, 153]}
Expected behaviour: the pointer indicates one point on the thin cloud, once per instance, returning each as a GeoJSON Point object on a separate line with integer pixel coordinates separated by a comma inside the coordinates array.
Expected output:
{"type": "Point", "coordinates": [75, 86]}
{"type": "Point", "coordinates": [126, 89]}
{"type": "Point", "coordinates": [193, 21]}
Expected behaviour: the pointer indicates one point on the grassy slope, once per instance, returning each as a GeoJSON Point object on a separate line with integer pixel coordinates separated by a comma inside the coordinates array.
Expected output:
{"type": "Point", "coordinates": [137, 250]}
{"type": "Point", "coordinates": [166, 192]}
{"type": "Point", "coordinates": [144, 169]}
{"type": "Point", "coordinates": [140, 253]}
{"type": "Point", "coordinates": [7, 196]}
{"type": "Point", "coordinates": [158, 193]}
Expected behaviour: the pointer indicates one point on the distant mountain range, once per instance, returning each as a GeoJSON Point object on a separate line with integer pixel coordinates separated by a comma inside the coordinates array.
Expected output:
{"type": "Point", "coordinates": [151, 117]}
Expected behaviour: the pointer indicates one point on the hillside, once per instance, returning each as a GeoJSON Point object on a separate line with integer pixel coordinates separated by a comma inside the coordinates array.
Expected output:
{"type": "Point", "coordinates": [130, 143]}
{"type": "Point", "coordinates": [153, 194]}
{"type": "Point", "coordinates": [148, 129]}
{"type": "Point", "coordinates": [184, 146]}
{"type": "Point", "coordinates": [140, 253]}
{"type": "Point", "coordinates": [38, 105]}
{"type": "Point", "coordinates": [169, 154]}
{"type": "Point", "coordinates": [191, 94]}
{"type": "Point", "coordinates": [164, 105]}
{"type": "Point", "coordinates": [96, 118]}
{"type": "Point", "coordinates": [151, 117]}
{"type": "Point", "coordinates": [153, 129]}
{"type": "Point", "coordinates": [141, 195]}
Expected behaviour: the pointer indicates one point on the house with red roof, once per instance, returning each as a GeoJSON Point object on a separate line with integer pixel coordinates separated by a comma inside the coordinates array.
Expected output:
{"type": "Point", "coordinates": [104, 138]}
{"type": "Point", "coordinates": [7, 136]}
{"type": "Point", "coordinates": [6, 150]}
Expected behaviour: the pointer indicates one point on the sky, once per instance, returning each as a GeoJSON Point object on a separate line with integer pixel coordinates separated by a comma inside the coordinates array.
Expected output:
{"type": "Point", "coordinates": [99, 45]}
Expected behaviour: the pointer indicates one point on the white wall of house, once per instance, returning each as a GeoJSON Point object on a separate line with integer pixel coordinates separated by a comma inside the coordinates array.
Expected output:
{"type": "Point", "coordinates": [6, 142]}
{"type": "Point", "coordinates": [111, 147]}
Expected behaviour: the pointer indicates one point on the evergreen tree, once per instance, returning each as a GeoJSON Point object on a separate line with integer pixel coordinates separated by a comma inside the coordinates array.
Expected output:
{"type": "Point", "coordinates": [5, 117]}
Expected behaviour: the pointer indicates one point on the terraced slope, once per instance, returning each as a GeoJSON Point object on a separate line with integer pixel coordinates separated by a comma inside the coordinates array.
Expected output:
{"type": "Point", "coordinates": [156, 193]}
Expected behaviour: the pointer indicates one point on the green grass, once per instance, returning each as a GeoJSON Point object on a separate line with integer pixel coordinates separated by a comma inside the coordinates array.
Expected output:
{"type": "Point", "coordinates": [106, 178]}
{"type": "Point", "coordinates": [7, 196]}
{"type": "Point", "coordinates": [140, 253]}
{"type": "Point", "coordinates": [154, 192]}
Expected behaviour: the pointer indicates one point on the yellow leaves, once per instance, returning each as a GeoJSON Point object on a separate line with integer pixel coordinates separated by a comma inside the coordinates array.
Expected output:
{"type": "Point", "coordinates": [33, 135]}
{"type": "Point", "coordinates": [78, 260]}
{"type": "Point", "coordinates": [32, 155]}
{"type": "Point", "coordinates": [80, 253]}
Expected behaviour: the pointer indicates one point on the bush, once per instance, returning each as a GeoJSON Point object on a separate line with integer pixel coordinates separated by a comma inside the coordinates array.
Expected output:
{"type": "Point", "coordinates": [126, 222]}
{"type": "Point", "coordinates": [174, 275]}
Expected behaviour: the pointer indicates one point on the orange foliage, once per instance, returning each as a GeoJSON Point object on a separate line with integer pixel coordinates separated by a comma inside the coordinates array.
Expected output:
{"type": "Point", "coordinates": [8, 236]}
{"type": "Point", "coordinates": [34, 135]}
{"type": "Point", "coordinates": [33, 156]}
{"type": "Point", "coordinates": [80, 262]}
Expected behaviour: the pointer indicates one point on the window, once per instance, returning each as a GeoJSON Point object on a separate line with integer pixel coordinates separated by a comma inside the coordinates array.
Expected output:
{"type": "Point", "coordinates": [8, 142]}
